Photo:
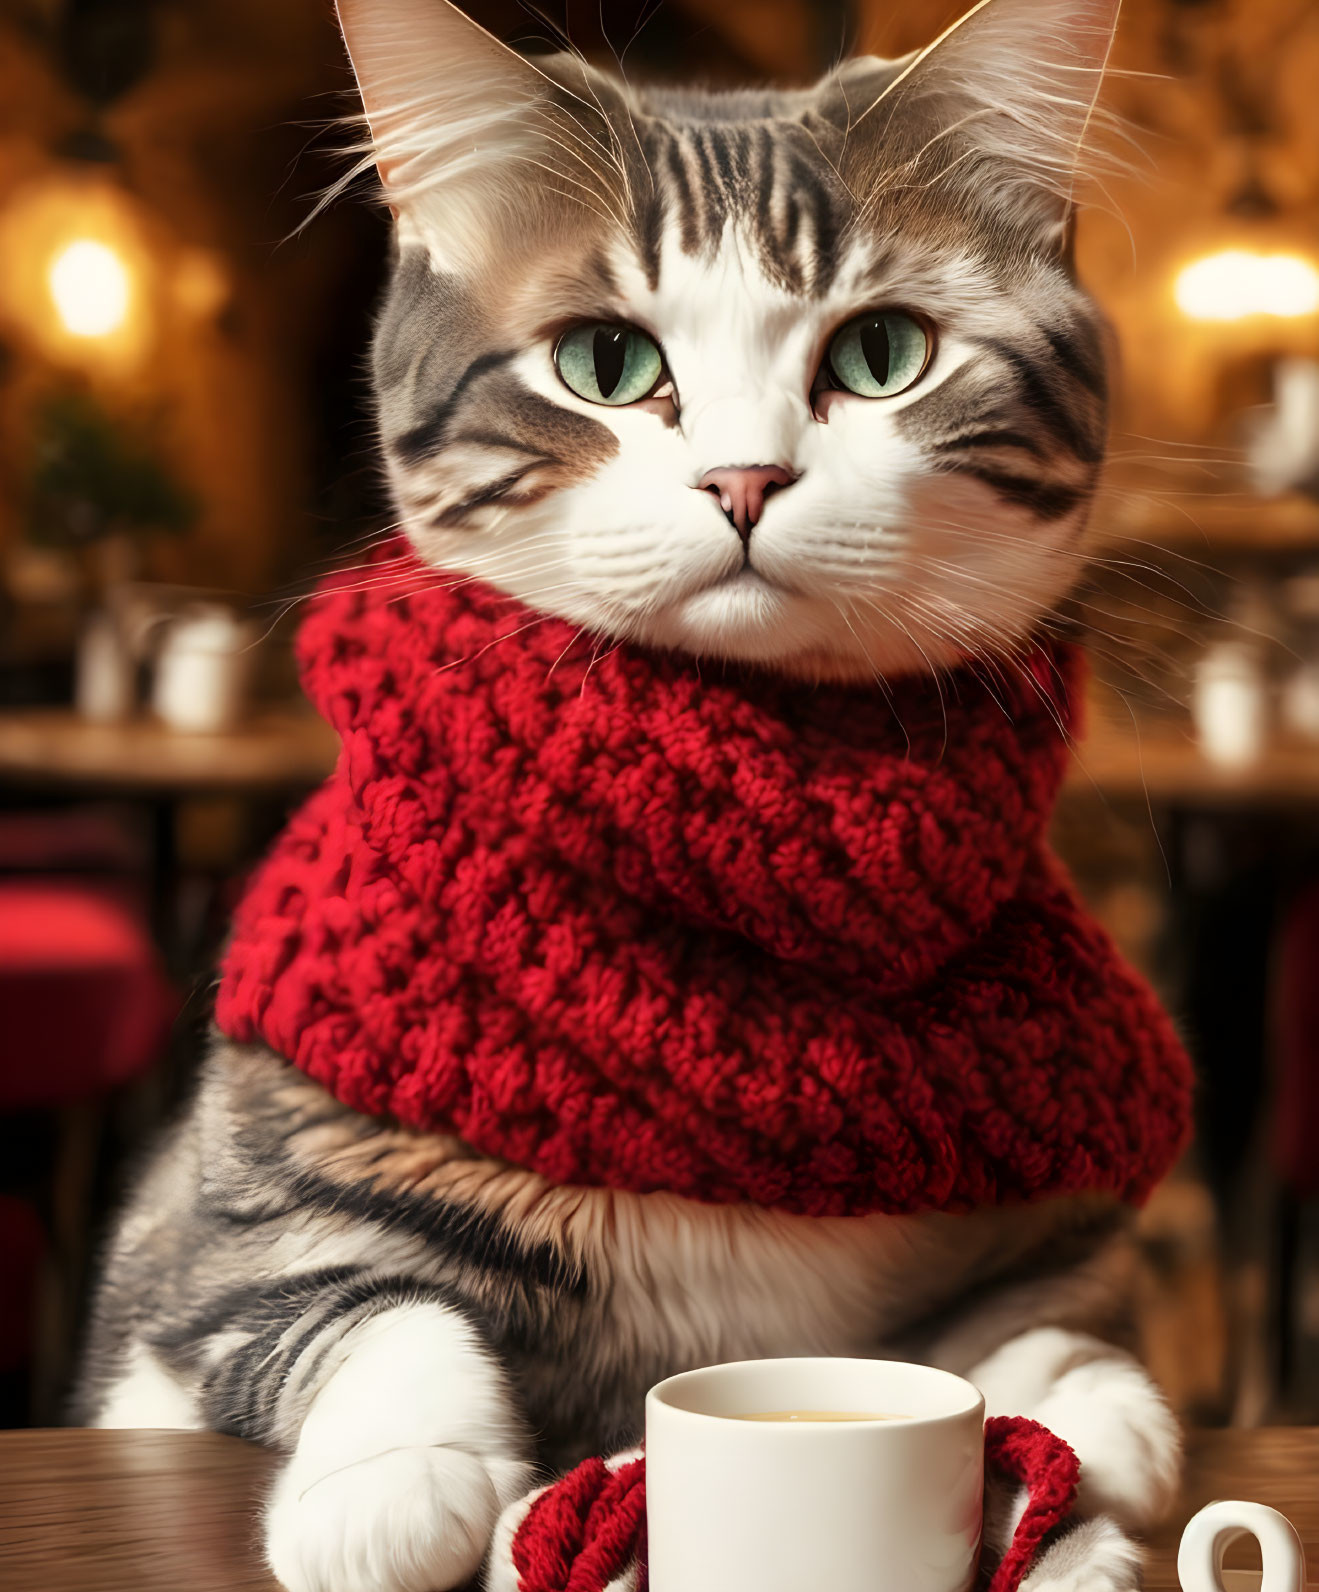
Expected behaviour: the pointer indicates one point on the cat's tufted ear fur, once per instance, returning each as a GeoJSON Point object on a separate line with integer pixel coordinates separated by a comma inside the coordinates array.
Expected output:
{"type": "Point", "coordinates": [467, 135]}
{"type": "Point", "coordinates": [1003, 101]}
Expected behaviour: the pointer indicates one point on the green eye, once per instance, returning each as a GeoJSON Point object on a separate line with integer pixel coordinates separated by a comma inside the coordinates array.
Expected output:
{"type": "Point", "coordinates": [608, 364]}
{"type": "Point", "coordinates": [880, 354]}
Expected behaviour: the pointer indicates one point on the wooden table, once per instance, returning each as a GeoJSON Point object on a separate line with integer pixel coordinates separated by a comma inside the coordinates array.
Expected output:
{"type": "Point", "coordinates": [1159, 761]}
{"type": "Point", "coordinates": [92, 1511]}
{"type": "Point", "coordinates": [277, 749]}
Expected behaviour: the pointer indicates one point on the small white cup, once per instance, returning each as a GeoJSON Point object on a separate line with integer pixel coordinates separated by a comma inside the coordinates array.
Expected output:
{"type": "Point", "coordinates": [1230, 705]}
{"type": "Point", "coordinates": [202, 670]}
{"type": "Point", "coordinates": [1209, 1534]}
{"type": "Point", "coordinates": [854, 1506]}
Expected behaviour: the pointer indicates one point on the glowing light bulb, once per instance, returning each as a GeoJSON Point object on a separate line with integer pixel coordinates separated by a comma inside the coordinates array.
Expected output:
{"type": "Point", "coordinates": [1236, 283]}
{"type": "Point", "coordinates": [89, 284]}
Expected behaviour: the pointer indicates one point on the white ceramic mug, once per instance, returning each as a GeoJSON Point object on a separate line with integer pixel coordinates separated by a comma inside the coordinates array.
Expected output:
{"type": "Point", "coordinates": [776, 1506]}
{"type": "Point", "coordinates": [1209, 1534]}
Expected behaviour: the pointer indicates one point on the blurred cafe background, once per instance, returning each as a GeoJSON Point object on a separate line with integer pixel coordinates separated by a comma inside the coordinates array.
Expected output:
{"type": "Point", "coordinates": [186, 444]}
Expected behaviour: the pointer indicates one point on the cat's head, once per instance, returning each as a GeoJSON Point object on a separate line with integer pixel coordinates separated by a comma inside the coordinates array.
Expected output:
{"type": "Point", "coordinates": [801, 378]}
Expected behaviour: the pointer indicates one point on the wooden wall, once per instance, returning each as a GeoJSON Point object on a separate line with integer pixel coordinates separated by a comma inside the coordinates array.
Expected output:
{"type": "Point", "coordinates": [207, 183]}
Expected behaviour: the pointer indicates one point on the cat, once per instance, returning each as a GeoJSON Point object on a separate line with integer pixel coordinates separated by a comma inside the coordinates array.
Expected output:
{"type": "Point", "coordinates": [801, 379]}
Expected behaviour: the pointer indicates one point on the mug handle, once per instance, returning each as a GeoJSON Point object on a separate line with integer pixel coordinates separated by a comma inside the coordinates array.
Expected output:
{"type": "Point", "coordinates": [1209, 1534]}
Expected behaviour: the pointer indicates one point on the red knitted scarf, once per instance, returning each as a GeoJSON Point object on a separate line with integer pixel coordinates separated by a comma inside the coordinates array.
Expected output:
{"type": "Point", "coordinates": [628, 921]}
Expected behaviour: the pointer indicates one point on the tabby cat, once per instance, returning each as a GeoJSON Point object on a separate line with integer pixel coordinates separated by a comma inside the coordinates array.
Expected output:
{"type": "Point", "coordinates": [799, 378]}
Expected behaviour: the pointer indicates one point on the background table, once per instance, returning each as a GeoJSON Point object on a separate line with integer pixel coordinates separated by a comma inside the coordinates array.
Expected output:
{"type": "Point", "coordinates": [91, 1511]}
{"type": "Point", "coordinates": [276, 748]}
{"type": "Point", "coordinates": [275, 755]}
{"type": "Point", "coordinates": [1157, 760]}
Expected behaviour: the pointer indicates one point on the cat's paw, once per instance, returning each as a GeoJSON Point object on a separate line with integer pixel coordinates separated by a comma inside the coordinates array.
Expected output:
{"type": "Point", "coordinates": [409, 1520]}
{"type": "Point", "coordinates": [1124, 1434]}
{"type": "Point", "coordinates": [1093, 1556]}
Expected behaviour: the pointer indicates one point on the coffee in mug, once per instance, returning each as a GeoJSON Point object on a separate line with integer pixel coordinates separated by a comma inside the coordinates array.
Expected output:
{"type": "Point", "coordinates": [815, 1415]}
{"type": "Point", "coordinates": [779, 1475]}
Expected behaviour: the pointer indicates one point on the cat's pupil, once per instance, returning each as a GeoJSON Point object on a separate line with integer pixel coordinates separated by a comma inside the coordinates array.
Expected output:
{"type": "Point", "coordinates": [609, 349]}
{"type": "Point", "coordinates": [876, 348]}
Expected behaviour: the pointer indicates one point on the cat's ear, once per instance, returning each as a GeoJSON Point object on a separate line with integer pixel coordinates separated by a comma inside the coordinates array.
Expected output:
{"type": "Point", "coordinates": [465, 133]}
{"type": "Point", "coordinates": [1012, 88]}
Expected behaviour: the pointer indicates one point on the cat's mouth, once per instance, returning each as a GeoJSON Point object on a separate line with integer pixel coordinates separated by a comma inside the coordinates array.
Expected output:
{"type": "Point", "coordinates": [746, 578]}
{"type": "Point", "coordinates": [750, 581]}
{"type": "Point", "coordinates": [734, 608]}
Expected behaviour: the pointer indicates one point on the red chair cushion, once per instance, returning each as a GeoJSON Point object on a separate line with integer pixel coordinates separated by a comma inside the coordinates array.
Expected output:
{"type": "Point", "coordinates": [84, 1003]}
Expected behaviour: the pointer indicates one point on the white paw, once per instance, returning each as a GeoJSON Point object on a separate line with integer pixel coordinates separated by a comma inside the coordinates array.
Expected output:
{"type": "Point", "coordinates": [409, 1520]}
{"type": "Point", "coordinates": [1095, 1556]}
{"type": "Point", "coordinates": [1125, 1436]}
{"type": "Point", "coordinates": [1104, 1404]}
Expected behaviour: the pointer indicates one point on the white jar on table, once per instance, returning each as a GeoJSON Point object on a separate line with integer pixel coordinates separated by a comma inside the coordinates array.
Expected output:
{"type": "Point", "coordinates": [105, 674]}
{"type": "Point", "coordinates": [1230, 704]}
{"type": "Point", "coordinates": [202, 670]}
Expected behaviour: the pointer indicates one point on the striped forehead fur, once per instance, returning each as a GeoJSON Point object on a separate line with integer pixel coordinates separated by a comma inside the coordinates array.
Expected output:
{"type": "Point", "coordinates": [998, 106]}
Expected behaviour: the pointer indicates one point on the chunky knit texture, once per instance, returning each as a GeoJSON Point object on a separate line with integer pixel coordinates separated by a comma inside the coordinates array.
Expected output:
{"type": "Point", "coordinates": [586, 1532]}
{"type": "Point", "coordinates": [627, 921]}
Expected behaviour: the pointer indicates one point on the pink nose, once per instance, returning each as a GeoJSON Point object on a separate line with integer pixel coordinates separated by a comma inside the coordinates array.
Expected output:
{"type": "Point", "coordinates": [742, 491]}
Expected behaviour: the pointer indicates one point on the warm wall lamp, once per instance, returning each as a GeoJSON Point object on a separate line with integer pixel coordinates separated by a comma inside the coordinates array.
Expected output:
{"type": "Point", "coordinates": [1236, 284]}
{"type": "Point", "coordinates": [91, 288]}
